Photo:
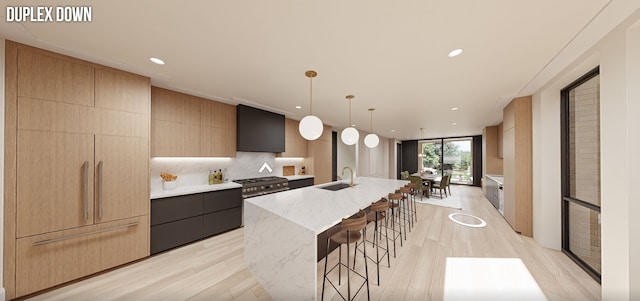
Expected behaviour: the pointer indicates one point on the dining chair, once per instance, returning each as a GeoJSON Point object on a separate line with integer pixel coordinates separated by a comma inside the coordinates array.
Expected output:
{"type": "Point", "coordinates": [442, 185]}
{"type": "Point", "coordinates": [419, 184]}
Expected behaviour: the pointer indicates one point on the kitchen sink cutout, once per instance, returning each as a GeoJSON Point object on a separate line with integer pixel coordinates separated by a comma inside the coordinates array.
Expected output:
{"type": "Point", "coordinates": [336, 187]}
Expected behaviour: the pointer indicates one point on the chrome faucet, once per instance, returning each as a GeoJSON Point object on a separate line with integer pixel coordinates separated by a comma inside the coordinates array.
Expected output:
{"type": "Point", "coordinates": [351, 170]}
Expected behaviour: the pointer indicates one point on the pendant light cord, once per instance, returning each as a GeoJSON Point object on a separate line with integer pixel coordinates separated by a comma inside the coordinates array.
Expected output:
{"type": "Point", "coordinates": [371, 121]}
{"type": "Point", "coordinates": [310, 95]}
{"type": "Point", "coordinates": [350, 113]}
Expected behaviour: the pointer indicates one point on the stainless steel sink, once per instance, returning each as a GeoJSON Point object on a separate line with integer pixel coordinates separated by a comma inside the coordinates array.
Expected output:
{"type": "Point", "coordinates": [336, 187]}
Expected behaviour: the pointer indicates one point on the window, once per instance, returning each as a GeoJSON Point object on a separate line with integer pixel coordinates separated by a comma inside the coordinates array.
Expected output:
{"type": "Point", "coordinates": [581, 172]}
{"type": "Point", "coordinates": [451, 156]}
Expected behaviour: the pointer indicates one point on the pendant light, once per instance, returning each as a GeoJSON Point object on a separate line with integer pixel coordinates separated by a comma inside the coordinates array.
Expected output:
{"type": "Point", "coordinates": [310, 126]}
{"type": "Point", "coordinates": [421, 154]}
{"type": "Point", "coordinates": [350, 135]}
{"type": "Point", "coordinates": [372, 139]}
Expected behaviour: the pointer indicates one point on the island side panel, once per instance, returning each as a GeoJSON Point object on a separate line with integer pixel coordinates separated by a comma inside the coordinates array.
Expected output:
{"type": "Point", "coordinates": [280, 254]}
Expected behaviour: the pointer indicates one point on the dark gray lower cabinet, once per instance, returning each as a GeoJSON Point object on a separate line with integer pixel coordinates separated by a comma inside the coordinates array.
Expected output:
{"type": "Point", "coordinates": [177, 233]}
{"type": "Point", "coordinates": [222, 221]}
{"type": "Point", "coordinates": [180, 220]}
{"type": "Point", "coordinates": [295, 184]}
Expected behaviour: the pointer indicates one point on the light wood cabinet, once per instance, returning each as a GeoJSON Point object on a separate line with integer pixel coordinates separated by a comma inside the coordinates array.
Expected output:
{"type": "Point", "coordinates": [500, 141]}
{"type": "Point", "coordinates": [47, 77]}
{"type": "Point", "coordinates": [54, 258]}
{"type": "Point", "coordinates": [187, 126]}
{"type": "Point", "coordinates": [55, 191]}
{"type": "Point", "coordinates": [318, 161]}
{"type": "Point", "coordinates": [518, 165]}
{"type": "Point", "coordinates": [122, 177]}
{"type": "Point", "coordinates": [491, 163]}
{"type": "Point", "coordinates": [77, 164]}
{"type": "Point", "coordinates": [217, 129]}
{"type": "Point", "coordinates": [294, 144]}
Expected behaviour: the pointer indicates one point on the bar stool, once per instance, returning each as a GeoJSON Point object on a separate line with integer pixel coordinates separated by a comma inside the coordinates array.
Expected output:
{"type": "Point", "coordinates": [414, 190]}
{"type": "Point", "coordinates": [394, 204]}
{"type": "Point", "coordinates": [406, 205]}
{"type": "Point", "coordinates": [351, 231]}
{"type": "Point", "coordinates": [377, 215]}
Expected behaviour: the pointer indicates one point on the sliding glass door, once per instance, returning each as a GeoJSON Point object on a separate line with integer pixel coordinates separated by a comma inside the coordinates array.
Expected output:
{"type": "Point", "coordinates": [457, 160]}
{"type": "Point", "coordinates": [448, 156]}
{"type": "Point", "coordinates": [581, 172]}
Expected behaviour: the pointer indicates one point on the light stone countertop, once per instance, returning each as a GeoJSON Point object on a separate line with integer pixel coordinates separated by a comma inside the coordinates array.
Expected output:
{"type": "Point", "coordinates": [193, 189]}
{"type": "Point", "coordinates": [497, 178]}
{"type": "Point", "coordinates": [318, 209]}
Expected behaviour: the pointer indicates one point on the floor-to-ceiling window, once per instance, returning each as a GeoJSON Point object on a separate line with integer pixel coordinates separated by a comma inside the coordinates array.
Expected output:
{"type": "Point", "coordinates": [452, 156]}
{"type": "Point", "coordinates": [581, 172]}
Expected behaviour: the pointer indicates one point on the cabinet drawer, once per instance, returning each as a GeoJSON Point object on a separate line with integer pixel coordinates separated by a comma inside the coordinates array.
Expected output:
{"type": "Point", "coordinates": [43, 261]}
{"type": "Point", "coordinates": [174, 234]}
{"type": "Point", "coordinates": [222, 221]}
{"type": "Point", "coordinates": [221, 200]}
{"type": "Point", "coordinates": [175, 208]}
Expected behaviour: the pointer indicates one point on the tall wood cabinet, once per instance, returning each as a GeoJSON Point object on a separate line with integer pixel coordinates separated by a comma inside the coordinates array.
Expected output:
{"type": "Point", "coordinates": [183, 125]}
{"type": "Point", "coordinates": [518, 165]}
{"type": "Point", "coordinates": [76, 169]}
{"type": "Point", "coordinates": [294, 144]}
{"type": "Point", "coordinates": [318, 161]}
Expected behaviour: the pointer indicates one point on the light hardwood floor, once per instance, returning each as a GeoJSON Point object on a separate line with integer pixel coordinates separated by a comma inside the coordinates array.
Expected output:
{"type": "Point", "coordinates": [213, 269]}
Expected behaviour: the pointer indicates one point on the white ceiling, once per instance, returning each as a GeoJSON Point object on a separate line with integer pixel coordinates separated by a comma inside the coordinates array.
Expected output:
{"type": "Point", "coordinates": [392, 55]}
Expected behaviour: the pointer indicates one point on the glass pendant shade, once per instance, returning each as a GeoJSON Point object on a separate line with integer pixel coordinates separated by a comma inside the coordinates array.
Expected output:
{"type": "Point", "coordinates": [310, 127]}
{"type": "Point", "coordinates": [350, 136]}
{"type": "Point", "coordinates": [371, 140]}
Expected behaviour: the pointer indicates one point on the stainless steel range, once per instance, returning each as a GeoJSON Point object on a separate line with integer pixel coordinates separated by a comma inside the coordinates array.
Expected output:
{"type": "Point", "coordinates": [261, 186]}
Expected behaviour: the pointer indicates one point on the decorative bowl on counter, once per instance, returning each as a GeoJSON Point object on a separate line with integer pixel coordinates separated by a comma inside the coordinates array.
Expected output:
{"type": "Point", "coordinates": [169, 185]}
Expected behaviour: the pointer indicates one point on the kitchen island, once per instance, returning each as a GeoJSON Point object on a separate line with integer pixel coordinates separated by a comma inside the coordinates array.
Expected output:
{"type": "Point", "coordinates": [280, 232]}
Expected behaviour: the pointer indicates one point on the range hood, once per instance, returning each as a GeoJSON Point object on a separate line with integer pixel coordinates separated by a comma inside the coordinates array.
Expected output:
{"type": "Point", "coordinates": [259, 130]}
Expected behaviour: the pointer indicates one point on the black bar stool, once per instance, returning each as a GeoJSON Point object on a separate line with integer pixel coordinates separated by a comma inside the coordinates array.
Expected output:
{"type": "Point", "coordinates": [351, 231]}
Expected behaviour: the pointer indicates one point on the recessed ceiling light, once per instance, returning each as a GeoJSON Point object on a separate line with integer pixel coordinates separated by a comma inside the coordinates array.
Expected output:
{"type": "Point", "coordinates": [393, 131]}
{"type": "Point", "coordinates": [353, 125]}
{"type": "Point", "coordinates": [157, 60]}
{"type": "Point", "coordinates": [454, 109]}
{"type": "Point", "coordinates": [298, 107]}
{"type": "Point", "coordinates": [455, 52]}
{"type": "Point", "coordinates": [454, 123]}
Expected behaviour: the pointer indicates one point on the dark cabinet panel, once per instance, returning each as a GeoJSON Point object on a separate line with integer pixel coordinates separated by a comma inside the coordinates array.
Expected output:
{"type": "Point", "coordinates": [179, 220]}
{"type": "Point", "coordinates": [174, 234]}
{"type": "Point", "coordinates": [295, 184]}
{"type": "Point", "coordinates": [175, 208]}
{"type": "Point", "coordinates": [221, 200]}
{"type": "Point", "coordinates": [222, 221]}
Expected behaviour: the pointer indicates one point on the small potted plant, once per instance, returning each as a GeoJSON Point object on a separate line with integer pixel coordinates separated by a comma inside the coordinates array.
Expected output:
{"type": "Point", "coordinates": [168, 180]}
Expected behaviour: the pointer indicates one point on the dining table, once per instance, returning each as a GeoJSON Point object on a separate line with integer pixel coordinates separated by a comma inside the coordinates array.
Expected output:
{"type": "Point", "coordinates": [428, 178]}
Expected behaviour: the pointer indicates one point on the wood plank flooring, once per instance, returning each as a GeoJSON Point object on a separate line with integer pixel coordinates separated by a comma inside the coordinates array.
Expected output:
{"type": "Point", "coordinates": [213, 269]}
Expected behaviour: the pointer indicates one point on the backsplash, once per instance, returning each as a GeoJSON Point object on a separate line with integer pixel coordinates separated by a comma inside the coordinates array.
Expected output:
{"type": "Point", "coordinates": [195, 171]}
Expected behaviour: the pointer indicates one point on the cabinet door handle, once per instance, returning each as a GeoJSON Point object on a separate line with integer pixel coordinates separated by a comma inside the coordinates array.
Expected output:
{"type": "Point", "coordinates": [49, 241]}
{"type": "Point", "coordinates": [85, 190]}
{"type": "Point", "coordinates": [100, 167]}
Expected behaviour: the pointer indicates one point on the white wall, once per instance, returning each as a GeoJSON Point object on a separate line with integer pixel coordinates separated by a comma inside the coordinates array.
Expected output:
{"type": "Point", "coordinates": [346, 157]}
{"type": "Point", "coordinates": [2, 297]}
{"type": "Point", "coordinates": [619, 129]}
{"type": "Point", "coordinates": [633, 136]}
{"type": "Point", "coordinates": [373, 162]}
